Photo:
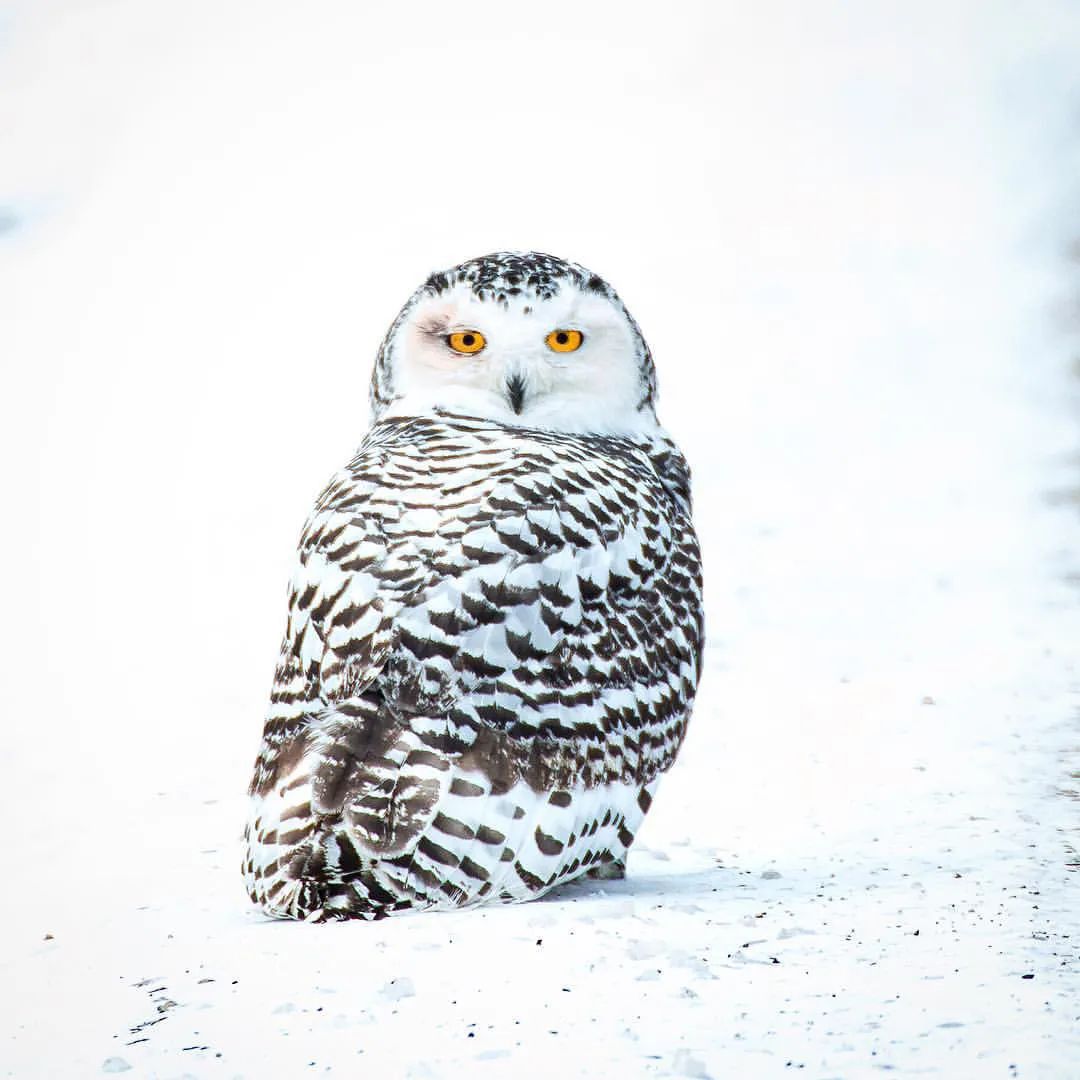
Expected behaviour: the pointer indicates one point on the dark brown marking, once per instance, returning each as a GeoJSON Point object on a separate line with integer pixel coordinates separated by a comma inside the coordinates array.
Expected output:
{"type": "Point", "coordinates": [437, 853]}
{"type": "Point", "coordinates": [465, 787]}
{"type": "Point", "coordinates": [531, 880]}
{"type": "Point", "coordinates": [427, 759]}
{"type": "Point", "coordinates": [473, 870]}
{"type": "Point", "coordinates": [452, 827]}
{"type": "Point", "coordinates": [548, 845]}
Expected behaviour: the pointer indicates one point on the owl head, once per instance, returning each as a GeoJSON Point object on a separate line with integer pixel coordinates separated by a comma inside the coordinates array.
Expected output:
{"type": "Point", "coordinates": [521, 338]}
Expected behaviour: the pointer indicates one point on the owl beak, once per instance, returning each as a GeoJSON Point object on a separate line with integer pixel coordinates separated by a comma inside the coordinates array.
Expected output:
{"type": "Point", "coordinates": [515, 392]}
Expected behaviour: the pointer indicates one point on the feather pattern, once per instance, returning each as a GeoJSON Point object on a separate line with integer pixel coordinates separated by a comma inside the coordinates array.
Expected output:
{"type": "Point", "coordinates": [493, 644]}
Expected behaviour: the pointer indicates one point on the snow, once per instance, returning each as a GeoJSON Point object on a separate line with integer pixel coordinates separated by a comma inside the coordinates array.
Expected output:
{"type": "Point", "coordinates": [845, 232]}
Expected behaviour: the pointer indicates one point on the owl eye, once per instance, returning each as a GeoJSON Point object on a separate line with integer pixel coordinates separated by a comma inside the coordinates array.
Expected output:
{"type": "Point", "coordinates": [466, 341]}
{"type": "Point", "coordinates": [564, 340]}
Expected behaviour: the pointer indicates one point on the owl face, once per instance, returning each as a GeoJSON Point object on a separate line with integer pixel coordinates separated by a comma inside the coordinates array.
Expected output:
{"type": "Point", "coordinates": [523, 339]}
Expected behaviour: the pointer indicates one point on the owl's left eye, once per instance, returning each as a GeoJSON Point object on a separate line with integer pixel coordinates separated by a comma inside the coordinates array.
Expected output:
{"type": "Point", "coordinates": [466, 341]}
{"type": "Point", "coordinates": [564, 340]}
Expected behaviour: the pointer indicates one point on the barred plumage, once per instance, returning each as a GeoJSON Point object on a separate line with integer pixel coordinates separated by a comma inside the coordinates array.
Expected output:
{"type": "Point", "coordinates": [494, 635]}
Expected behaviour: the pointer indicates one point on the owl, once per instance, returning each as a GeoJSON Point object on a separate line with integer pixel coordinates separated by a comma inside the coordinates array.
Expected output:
{"type": "Point", "coordinates": [495, 623]}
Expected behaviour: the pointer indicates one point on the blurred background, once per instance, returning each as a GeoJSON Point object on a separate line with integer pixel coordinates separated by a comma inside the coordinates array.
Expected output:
{"type": "Point", "coordinates": [845, 229]}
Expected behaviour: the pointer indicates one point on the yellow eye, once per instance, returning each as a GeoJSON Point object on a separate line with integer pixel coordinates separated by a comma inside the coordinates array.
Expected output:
{"type": "Point", "coordinates": [466, 341]}
{"type": "Point", "coordinates": [564, 340]}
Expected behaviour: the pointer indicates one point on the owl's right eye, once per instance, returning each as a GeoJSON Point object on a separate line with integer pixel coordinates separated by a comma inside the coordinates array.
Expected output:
{"type": "Point", "coordinates": [466, 341]}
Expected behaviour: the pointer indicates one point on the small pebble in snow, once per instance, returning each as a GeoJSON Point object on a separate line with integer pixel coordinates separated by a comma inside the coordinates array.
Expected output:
{"type": "Point", "coordinates": [770, 875]}
{"type": "Point", "coordinates": [48, 937]}
{"type": "Point", "coordinates": [115, 1065]}
{"type": "Point", "coordinates": [396, 989]}
{"type": "Point", "coordinates": [1029, 976]}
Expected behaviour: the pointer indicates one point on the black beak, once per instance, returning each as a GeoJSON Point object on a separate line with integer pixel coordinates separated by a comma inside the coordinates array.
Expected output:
{"type": "Point", "coordinates": [515, 391]}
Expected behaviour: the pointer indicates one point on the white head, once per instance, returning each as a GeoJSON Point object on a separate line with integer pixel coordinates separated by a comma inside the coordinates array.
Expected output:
{"type": "Point", "coordinates": [521, 338]}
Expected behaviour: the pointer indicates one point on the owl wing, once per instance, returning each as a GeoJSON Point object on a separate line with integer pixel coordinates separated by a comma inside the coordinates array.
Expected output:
{"type": "Point", "coordinates": [576, 629]}
{"type": "Point", "coordinates": [354, 574]}
{"type": "Point", "coordinates": [521, 630]}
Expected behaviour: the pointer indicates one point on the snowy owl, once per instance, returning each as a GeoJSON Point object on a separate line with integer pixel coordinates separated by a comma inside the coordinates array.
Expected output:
{"type": "Point", "coordinates": [495, 623]}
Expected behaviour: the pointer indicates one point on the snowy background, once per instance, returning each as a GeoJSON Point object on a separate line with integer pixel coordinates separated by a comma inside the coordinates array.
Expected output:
{"type": "Point", "coordinates": [845, 230]}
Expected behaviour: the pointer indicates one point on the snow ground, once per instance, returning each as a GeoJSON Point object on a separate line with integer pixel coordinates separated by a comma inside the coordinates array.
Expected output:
{"type": "Point", "coordinates": [844, 230]}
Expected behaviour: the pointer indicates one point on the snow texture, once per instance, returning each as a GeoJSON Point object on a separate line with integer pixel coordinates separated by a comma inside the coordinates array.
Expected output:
{"type": "Point", "coordinates": [844, 229]}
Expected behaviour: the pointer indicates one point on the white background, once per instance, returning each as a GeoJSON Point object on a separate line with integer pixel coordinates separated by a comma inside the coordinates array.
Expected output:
{"type": "Point", "coordinates": [845, 230]}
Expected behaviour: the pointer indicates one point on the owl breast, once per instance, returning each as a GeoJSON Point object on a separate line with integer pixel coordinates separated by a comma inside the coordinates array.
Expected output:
{"type": "Point", "coordinates": [492, 650]}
